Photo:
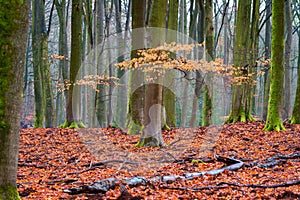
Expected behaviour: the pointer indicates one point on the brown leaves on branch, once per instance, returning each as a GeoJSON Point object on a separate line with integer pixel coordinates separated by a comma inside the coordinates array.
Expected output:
{"type": "Point", "coordinates": [90, 80]}
{"type": "Point", "coordinates": [177, 56]}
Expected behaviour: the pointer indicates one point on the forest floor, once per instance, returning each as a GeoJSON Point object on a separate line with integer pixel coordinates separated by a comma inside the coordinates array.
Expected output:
{"type": "Point", "coordinates": [53, 161]}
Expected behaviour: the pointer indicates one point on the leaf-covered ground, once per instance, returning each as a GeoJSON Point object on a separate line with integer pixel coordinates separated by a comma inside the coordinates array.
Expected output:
{"type": "Point", "coordinates": [54, 160]}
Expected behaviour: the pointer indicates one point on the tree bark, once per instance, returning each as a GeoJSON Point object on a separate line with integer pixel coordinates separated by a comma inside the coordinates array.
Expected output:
{"type": "Point", "coordinates": [13, 39]}
{"type": "Point", "coordinates": [267, 56]}
{"type": "Point", "coordinates": [136, 92]}
{"type": "Point", "coordinates": [240, 109]}
{"type": "Point", "coordinates": [151, 132]}
{"type": "Point", "coordinates": [287, 55]}
{"type": "Point", "coordinates": [277, 67]}
{"type": "Point", "coordinates": [72, 111]}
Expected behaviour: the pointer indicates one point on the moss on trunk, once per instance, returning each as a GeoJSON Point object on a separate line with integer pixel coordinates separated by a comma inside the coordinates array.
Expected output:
{"type": "Point", "coordinates": [277, 67]}
{"type": "Point", "coordinates": [8, 192]}
{"type": "Point", "coordinates": [13, 39]}
{"type": "Point", "coordinates": [240, 109]}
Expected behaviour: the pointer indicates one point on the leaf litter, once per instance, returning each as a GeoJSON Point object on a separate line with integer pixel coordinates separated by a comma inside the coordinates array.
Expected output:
{"type": "Point", "coordinates": [53, 161]}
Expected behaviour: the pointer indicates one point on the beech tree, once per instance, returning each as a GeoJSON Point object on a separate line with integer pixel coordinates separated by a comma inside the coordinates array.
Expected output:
{"type": "Point", "coordinates": [76, 60]}
{"type": "Point", "coordinates": [151, 132]}
{"type": "Point", "coordinates": [135, 98]}
{"type": "Point", "coordinates": [44, 100]}
{"type": "Point", "coordinates": [241, 91]}
{"type": "Point", "coordinates": [277, 67]}
{"type": "Point", "coordinates": [13, 39]}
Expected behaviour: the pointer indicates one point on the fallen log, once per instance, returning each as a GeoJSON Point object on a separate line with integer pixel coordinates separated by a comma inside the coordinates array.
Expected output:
{"type": "Point", "coordinates": [104, 185]}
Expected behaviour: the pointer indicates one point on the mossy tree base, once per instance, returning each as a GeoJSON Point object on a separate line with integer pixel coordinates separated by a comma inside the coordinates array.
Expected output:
{"type": "Point", "coordinates": [8, 192]}
{"type": "Point", "coordinates": [294, 120]}
{"type": "Point", "coordinates": [166, 127]}
{"type": "Point", "coordinates": [241, 117]}
{"type": "Point", "coordinates": [134, 128]}
{"type": "Point", "coordinates": [67, 124]}
{"type": "Point", "coordinates": [274, 126]}
{"type": "Point", "coordinates": [149, 142]}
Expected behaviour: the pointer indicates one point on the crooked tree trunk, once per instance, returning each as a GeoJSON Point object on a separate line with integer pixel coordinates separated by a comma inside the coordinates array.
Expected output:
{"type": "Point", "coordinates": [277, 67]}
{"type": "Point", "coordinates": [13, 39]}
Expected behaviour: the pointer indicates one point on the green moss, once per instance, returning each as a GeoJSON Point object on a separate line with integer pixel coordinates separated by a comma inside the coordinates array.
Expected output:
{"type": "Point", "coordinates": [134, 128]}
{"type": "Point", "coordinates": [148, 141]}
{"type": "Point", "coordinates": [166, 127]}
{"type": "Point", "coordinates": [8, 192]}
{"type": "Point", "coordinates": [67, 124]}
{"type": "Point", "coordinates": [8, 12]}
{"type": "Point", "coordinates": [277, 68]}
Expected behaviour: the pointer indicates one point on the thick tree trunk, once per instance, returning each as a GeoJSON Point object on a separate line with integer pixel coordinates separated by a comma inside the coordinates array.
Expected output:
{"type": "Point", "coordinates": [151, 132]}
{"type": "Point", "coordinates": [13, 38]}
{"type": "Point", "coordinates": [277, 67]}
{"type": "Point", "coordinates": [240, 110]}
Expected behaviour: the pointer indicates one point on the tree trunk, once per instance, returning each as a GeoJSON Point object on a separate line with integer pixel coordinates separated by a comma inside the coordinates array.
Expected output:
{"type": "Point", "coordinates": [72, 110]}
{"type": "Point", "coordinates": [287, 54]}
{"type": "Point", "coordinates": [136, 92]}
{"type": "Point", "coordinates": [63, 51]}
{"type": "Point", "coordinates": [295, 118]}
{"type": "Point", "coordinates": [209, 41]}
{"type": "Point", "coordinates": [267, 56]}
{"type": "Point", "coordinates": [240, 109]}
{"type": "Point", "coordinates": [45, 112]}
{"type": "Point", "coordinates": [100, 99]}
{"type": "Point", "coordinates": [277, 67]}
{"type": "Point", "coordinates": [168, 96]}
{"type": "Point", "coordinates": [198, 84]}
{"type": "Point", "coordinates": [120, 118]}
{"type": "Point", "coordinates": [13, 38]}
{"type": "Point", "coordinates": [151, 132]}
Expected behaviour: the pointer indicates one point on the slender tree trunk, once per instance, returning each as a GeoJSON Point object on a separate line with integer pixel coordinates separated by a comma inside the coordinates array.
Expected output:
{"type": "Point", "coordinates": [277, 67]}
{"type": "Point", "coordinates": [168, 95]}
{"type": "Point", "coordinates": [209, 44]}
{"type": "Point", "coordinates": [287, 54]}
{"type": "Point", "coordinates": [198, 84]}
{"type": "Point", "coordinates": [295, 119]}
{"type": "Point", "coordinates": [136, 94]}
{"type": "Point", "coordinates": [38, 29]}
{"type": "Point", "coordinates": [100, 101]}
{"type": "Point", "coordinates": [13, 38]}
{"type": "Point", "coordinates": [72, 110]}
{"type": "Point", "coordinates": [267, 56]}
